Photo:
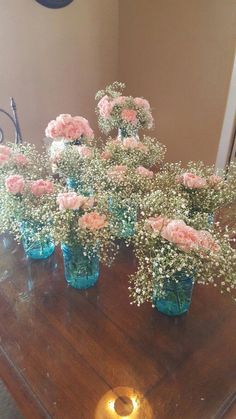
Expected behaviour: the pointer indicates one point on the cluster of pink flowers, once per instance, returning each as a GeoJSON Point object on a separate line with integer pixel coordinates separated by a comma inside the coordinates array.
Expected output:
{"type": "Point", "coordinates": [106, 106]}
{"type": "Point", "coordinates": [132, 143]}
{"type": "Point", "coordinates": [191, 181]}
{"type": "Point", "coordinates": [15, 184]}
{"type": "Point", "coordinates": [93, 221]}
{"type": "Point", "coordinates": [6, 155]}
{"type": "Point", "coordinates": [130, 116]}
{"type": "Point", "coordinates": [184, 237]}
{"type": "Point", "coordinates": [41, 187]}
{"type": "Point", "coordinates": [20, 160]}
{"type": "Point", "coordinates": [69, 128]}
{"type": "Point", "coordinates": [72, 201]}
{"type": "Point", "coordinates": [142, 171]}
{"type": "Point", "coordinates": [84, 151]}
{"type": "Point", "coordinates": [117, 172]}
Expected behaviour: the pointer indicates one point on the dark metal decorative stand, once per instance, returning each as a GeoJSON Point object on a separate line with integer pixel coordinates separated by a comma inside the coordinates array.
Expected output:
{"type": "Point", "coordinates": [15, 121]}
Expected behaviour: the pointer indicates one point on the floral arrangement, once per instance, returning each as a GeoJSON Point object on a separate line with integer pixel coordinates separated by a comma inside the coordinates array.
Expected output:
{"type": "Point", "coordinates": [69, 128]}
{"type": "Point", "coordinates": [122, 188]}
{"type": "Point", "coordinates": [27, 203]}
{"type": "Point", "coordinates": [167, 246]}
{"type": "Point", "coordinates": [133, 153]}
{"type": "Point", "coordinates": [24, 160]}
{"type": "Point", "coordinates": [125, 112]}
{"type": "Point", "coordinates": [83, 220]}
{"type": "Point", "coordinates": [206, 188]}
{"type": "Point", "coordinates": [78, 165]}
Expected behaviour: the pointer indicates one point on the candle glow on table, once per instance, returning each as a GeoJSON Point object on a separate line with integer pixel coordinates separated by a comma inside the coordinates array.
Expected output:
{"type": "Point", "coordinates": [123, 402]}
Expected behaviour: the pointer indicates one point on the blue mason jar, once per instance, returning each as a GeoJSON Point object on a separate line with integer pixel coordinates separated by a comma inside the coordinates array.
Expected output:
{"type": "Point", "coordinates": [176, 295]}
{"type": "Point", "coordinates": [35, 249]}
{"type": "Point", "coordinates": [77, 186]}
{"type": "Point", "coordinates": [124, 133]}
{"type": "Point", "coordinates": [81, 270]}
{"type": "Point", "coordinates": [124, 218]}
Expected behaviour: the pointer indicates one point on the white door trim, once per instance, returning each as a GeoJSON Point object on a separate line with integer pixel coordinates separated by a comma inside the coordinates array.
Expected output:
{"type": "Point", "coordinates": [228, 129]}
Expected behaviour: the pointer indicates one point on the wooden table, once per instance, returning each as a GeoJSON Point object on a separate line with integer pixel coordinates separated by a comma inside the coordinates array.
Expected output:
{"type": "Point", "coordinates": [62, 350]}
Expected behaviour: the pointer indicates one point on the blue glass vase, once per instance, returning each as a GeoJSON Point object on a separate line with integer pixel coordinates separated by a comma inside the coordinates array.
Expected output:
{"type": "Point", "coordinates": [81, 271]}
{"type": "Point", "coordinates": [124, 133]}
{"type": "Point", "coordinates": [175, 296]}
{"type": "Point", "coordinates": [35, 249]}
{"type": "Point", "coordinates": [124, 218]}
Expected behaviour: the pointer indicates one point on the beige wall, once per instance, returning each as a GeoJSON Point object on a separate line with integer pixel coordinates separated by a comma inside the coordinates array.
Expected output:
{"type": "Point", "coordinates": [179, 54]}
{"type": "Point", "coordinates": [53, 61]}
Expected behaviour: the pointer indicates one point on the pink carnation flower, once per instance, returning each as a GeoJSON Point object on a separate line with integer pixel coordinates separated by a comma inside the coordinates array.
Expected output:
{"type": "Point", "coordinates": [106, 155]}
{"type": "Point", "coordinates": [191, 181]}
{"type": "Point", "coordinates": [214, 181]}
{"type": "Point", "coordinates": [68, 127]}
{"type": "Point", "coordinates": [93, 221]}
{"type": "Point", "coordinates": [120, 100]}
{"type": "Point", "coordinates": [84, 151]}
{"type": "Point", "coordinates": [3, 159]}
{"type": "Point", "coordinates": [52, 130]}
{"type": "Point", "coordinates": [115, 142]}
{"type": "Point", "coordinates": [20, 159]}
{"type": "Point", "coordinates": [117, 172]}
{"type": "Point", "coordinates": [15, 184]}
{"type": "Point", "coordinates": [130, 142]}
{"type": "Point", "coordinates": [129, 115]}
{"type": "Point", "coordinates": [142, 103]}
{"type": "Point", "coordinates": [185, 237]}
{"type": "Point", "coordinates": [105, 107]}
{"type": "Point", "coordinates": [207, 242]}
{"type": "Point", "coordinates": [142, 171]}
{"type": "Point", "coordinates": [41, 187]}
{"type": "Point", "coordinates": [4, 149]}
{"type": "Point", "coordinates": [157, 223]}
{"type": "Point", "coordinates": [70, 200]}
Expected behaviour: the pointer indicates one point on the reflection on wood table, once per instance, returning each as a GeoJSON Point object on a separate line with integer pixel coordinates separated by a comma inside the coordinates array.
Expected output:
{"type": "Point", "coordinates": [65, 353]}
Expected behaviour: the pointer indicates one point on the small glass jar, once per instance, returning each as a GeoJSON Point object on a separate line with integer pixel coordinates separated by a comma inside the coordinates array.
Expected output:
{"type": "Point", "coordinates": [125, 133]}
{"type": "Point", "coordinates": [81, 270]}
{"type": "Point", "coordinates": [124, 218]}
{"type": "Point", "coordinates": [35, 249]}
{"type": "Point", "coordinates": [175, 296]}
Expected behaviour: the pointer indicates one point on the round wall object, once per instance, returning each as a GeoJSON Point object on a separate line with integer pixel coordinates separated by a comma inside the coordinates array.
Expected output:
{"type": "Point", "coordinates": [54, 4]}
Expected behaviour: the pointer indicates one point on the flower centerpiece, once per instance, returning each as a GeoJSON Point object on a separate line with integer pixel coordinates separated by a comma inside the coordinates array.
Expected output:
{"type": "Point", "coordinates": [173, 256]}
{"type": "Point", "coordinates": [68, 132]}
{"type": "Point", "coordinates": [85, 232]}
{"type": "Point", "coordinates": [73, 163]}
{"type": "Point", "coordinates": [123, 188]}
{"type": "Point", "coordinates": [24, 160]}
{"type": "Point", "coordinates": [207, 189]}
{"type": "Point", "coordinates": [125, 113]}
{"type": "Point", "coordinates": [70, 129]}
{"type": "Point", "coordinates": [134, 153]}
{"type": "Point", "coordinates": [26, 211]}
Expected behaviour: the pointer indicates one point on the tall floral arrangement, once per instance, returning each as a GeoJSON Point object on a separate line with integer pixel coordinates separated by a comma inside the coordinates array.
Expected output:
{"type": "Point", "coordinates": [127, 113]}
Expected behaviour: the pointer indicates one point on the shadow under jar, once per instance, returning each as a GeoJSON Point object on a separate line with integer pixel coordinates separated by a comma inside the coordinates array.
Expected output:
{"type": "Point", "coordinates": [81, 269]}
